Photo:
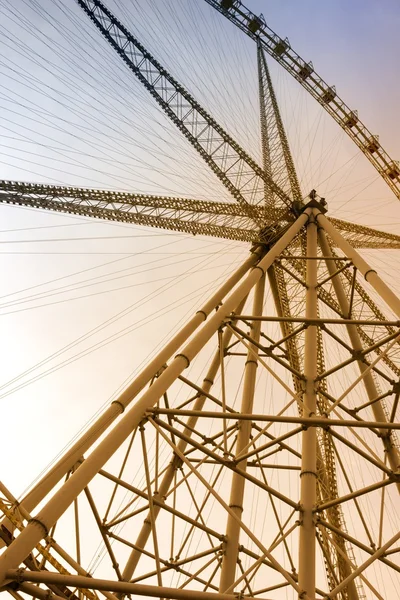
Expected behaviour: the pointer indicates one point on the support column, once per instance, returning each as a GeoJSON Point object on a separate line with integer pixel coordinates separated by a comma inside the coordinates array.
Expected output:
{"type": "Point", "coordinates": [58, 504]}
{"type": "Point", "coordinates": [355, 340]}
{"type": "Point", "coordinates": [308, 475]}
{"type": "Point", "coordinates": [229, 560]}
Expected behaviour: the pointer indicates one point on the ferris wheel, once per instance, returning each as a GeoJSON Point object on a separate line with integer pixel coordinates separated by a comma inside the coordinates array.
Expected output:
{"type": "Point", "coordinates": [255, 453]}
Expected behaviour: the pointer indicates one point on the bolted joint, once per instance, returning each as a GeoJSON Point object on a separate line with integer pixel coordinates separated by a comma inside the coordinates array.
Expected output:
{"type": "Point", "coordinates": [144, 421]}
{"type": "Point", "coordinates": [41, 524]}
{"type": "Point", "coordinates": [257, 249]}
{"type": "Point", "coordinates": [185, 358]}
{"type": "Point", "coordinates": [208, 440]}
{"type": "Point", "coordinates": [259, 268]}
{"type": "Point", "coordinates": [176, 462]}
{"type": "Point", "coordinates": [19, 578]}
{"type": "Point", "coordinates": [313, 473]}
{"type": "Point", "coordinates": [202, 312]}
{"type": "Point", "coordinates": [358, 355]}
{"type": "Point", "coordinates": [368, 273]}
{"type": "Point", "coordinates": [237, 507]}
{"type": "Point", "coordinates": [396, 387]}
{"type": "Point", "coordinates": [160, 371]}
{"type": "Point", "coordinates": [255, 362]}
{"type": "Point", "coordinates": [314, 517]}
{"type": "Point", "coordinates": [122, 407]}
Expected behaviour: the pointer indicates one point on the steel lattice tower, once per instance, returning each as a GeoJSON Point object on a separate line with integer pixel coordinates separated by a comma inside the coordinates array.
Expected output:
{"type": "Point", "coordinates": [202, 462]}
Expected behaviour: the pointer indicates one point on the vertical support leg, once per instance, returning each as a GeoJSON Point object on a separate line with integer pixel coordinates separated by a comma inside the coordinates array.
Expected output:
{"type": "Point", "coordinates": [308, 475]}
{"type": "Point", "coordinates": [229, 560]}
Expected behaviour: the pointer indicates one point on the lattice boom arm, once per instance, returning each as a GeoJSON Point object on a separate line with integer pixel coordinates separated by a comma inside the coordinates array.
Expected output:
{"type": "Point", "coordinates": [111, 198]}
{"type": "Point", "coordinates": [360, 236]}
{"type": "Point", "coordinates": [197, 217]}
{"type": "Point", "coordinates": [233, 166]}
{"type": "Point", "coordinates": [326, 95]}
{"type": "Point", "coordinates": [215, 219]}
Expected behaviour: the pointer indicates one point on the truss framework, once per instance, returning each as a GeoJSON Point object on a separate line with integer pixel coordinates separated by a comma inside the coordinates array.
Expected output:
{"type": "Point", "coordinates": [205, 458]}
{"type": "Point", "coordinates": [241, 442]}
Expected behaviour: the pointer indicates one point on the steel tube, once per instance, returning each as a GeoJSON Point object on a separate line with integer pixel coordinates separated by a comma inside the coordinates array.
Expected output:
{"type": "Point", "coordinates": [278, 440]}
{"type": "Point", "coordinates": [355, 494]}
{"type": "Point", "coordinates": [308, 475]}
{"type": "Point", "coordinates": [137, 589]}
{"type": "Point", "coordinates": [58, 504]}
{"type": "Point", "coordinates": [37, 592]}
{"type": "Point", "coordinates": [302, 320]}
{"type": "Point", "coordinates": [368, 379]}
{"type": "Point", "coordinates": [229, 560]}
{"type": "Point", "coordinates": [306, 421]}
{"type": "Point", "coordinates": [52, 544]}
{"type": "Point", "coordinates": [161, 504]}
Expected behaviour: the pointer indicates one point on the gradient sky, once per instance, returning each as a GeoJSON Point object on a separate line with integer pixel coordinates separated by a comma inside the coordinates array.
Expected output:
{"type": "Point", "coordinates": [353, 45]}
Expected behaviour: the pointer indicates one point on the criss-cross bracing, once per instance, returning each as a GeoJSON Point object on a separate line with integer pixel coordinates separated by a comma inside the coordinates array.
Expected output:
{"type": "Point", "coordinates": [231, 466]}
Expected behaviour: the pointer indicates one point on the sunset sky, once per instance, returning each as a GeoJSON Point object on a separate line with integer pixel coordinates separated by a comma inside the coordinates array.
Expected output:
{"type": "Point", "coordinates": [85, 303]}
{"type": "Point", "coordinates": [50, 115]}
